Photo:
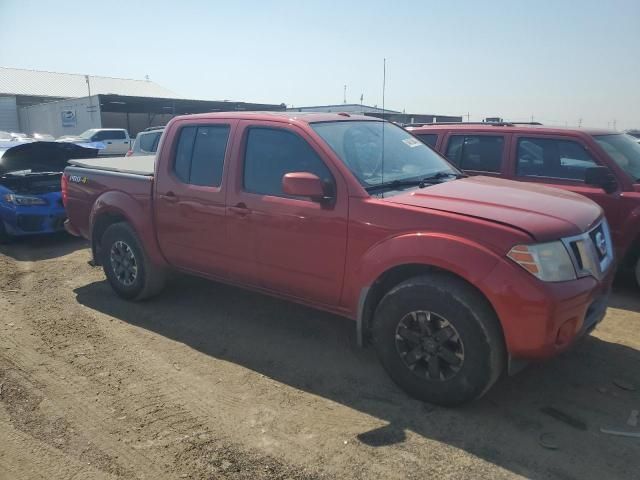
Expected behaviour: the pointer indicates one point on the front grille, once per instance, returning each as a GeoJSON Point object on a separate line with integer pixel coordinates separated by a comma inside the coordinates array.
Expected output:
{"type": "Point", "coordinates": [591, 252]}
{"type": "Point", "coordinates": [599, 241]}
{"type": "Point", "coordinates": [30, 223]}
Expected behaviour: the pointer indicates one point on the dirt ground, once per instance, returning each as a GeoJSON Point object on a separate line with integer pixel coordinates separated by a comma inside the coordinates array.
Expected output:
{"type": "Point", "coordinates": [209, 381]}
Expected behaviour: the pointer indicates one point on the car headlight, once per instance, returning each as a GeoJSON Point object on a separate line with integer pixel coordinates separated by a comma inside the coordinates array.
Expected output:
{"type": "Point", "coordinates": [24, 200]}
{"type": "Point", "coordinates": [550, 262]}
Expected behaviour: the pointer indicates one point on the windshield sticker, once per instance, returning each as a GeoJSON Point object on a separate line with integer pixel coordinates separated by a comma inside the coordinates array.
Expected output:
{"type": "Point", "coordinates": [411, 142]}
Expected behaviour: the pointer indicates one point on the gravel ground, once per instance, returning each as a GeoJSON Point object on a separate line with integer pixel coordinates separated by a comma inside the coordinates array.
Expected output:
{"type": "Point", "coordinates": [209, 381]}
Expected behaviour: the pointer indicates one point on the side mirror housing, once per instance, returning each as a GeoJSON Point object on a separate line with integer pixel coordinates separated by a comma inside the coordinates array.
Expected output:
{"type": "Point", "coordinates": [303, 184]}
{"type": "Point", "coordinates": [601, 177]}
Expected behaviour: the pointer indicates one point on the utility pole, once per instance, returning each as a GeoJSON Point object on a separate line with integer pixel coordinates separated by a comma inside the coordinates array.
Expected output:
{"type": "Point", "coordinates": [344, 100]}
{"type": "Point", "coordinates": [468, 117]}
{"type": "Point", "coordinates": [531, 118]}
{"type": "Point", "coordinates": [614, 123]}
{"type": "Point", "coordinates": [580, 122]}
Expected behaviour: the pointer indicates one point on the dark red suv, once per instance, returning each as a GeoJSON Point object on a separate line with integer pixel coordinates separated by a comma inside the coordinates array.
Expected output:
{"type": "Point", "coordinates": [600, 164]}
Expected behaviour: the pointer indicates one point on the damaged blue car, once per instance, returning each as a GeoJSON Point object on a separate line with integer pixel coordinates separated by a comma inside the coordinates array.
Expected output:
{"type": "Point", "coordinates": [30, 192]}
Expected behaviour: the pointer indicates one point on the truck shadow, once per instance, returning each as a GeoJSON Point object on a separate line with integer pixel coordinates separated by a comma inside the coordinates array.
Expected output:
{"type": "Point", "coordinates": [315, 352]}
{"type": "Point", "coordinates": [626, 294]}
{"type": "Point", "coordinates": [42, 247]}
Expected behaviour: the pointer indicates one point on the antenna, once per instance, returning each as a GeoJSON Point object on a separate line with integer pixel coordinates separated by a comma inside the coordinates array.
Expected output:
{"type": "Point", "coordinates": [384, 86]}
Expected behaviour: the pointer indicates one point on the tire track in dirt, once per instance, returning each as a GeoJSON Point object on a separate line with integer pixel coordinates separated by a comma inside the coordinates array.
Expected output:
{"type": "Point", "coordinates": [80, 355]}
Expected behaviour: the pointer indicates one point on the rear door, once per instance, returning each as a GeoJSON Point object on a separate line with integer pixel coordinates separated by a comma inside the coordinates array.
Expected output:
{"type": "Point", "coordinates": [477, 153]}
{"type": "Point", "coordinates": [299, 244]}
{"type": "Point", "coordinates": [190, 195]}
{"type": "Point", "coordinates": [560, 162]}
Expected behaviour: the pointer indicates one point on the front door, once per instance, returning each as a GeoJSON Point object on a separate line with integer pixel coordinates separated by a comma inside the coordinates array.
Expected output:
{"type": "Point", "coordinates": [561, 162]}
{"type": "Point", "coordinates": [190, 196]}
{"type": "Point", "coordinates": [299, 244]}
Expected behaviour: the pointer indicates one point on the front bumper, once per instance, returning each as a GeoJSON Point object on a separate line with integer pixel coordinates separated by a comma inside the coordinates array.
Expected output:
{"type": "Point", "coordinates": [34, 221]}
{"type": "Point", "coordinates": [542, 319]}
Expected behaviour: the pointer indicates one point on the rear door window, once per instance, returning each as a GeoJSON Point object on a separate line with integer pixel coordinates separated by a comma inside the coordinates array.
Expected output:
{"type": "Point", "coordinates": [428, 138]}
{"type": "Point", "coordinates": [552, 158]}
{"type": "Point", "coordinates": [482, 153]}
{"type": "Point", "coordinates": [200, 154]}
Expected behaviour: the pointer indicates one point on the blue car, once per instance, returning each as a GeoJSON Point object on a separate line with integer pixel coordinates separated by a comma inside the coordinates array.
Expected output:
{"type": "Point", "coordinates": [30, 193]}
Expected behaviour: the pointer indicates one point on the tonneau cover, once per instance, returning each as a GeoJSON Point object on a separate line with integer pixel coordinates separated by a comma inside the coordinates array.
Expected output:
{"type": "Point", "coordinates": [138, 165]}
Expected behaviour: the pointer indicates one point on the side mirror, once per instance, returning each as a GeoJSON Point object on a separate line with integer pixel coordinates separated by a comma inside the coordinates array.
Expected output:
{"type": "Point", "coordinates": [303, 184]}
{"type": "Point", "coordinates": [601, 177]}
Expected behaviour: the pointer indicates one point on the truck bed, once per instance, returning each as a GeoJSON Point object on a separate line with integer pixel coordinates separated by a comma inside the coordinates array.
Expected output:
{"type": "Point", "coordinates": [139, 165]}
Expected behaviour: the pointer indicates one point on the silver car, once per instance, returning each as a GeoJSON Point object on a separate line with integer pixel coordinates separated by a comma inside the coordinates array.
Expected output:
{"type": "Point", "coordinates": [146, 142]}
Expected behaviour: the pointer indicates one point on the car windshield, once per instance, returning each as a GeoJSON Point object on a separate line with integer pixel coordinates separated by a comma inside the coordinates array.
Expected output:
{"type": "Point", "coordinates": [624, 150]}
{"type": "Point", "coordinates": [380, 153]}
{"type": "Point", "coordinates": [88, 133]}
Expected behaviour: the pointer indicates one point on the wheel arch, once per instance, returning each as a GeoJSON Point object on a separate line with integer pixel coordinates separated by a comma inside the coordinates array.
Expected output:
{"type": "Point", "coordinates": [387, 280]}
{"type": "Point", "coordinates": [113, 207]}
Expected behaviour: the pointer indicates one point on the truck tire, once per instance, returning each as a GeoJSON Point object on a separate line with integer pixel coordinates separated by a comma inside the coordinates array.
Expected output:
{"type": "Point", "coordinates": [127, 266]}
{"type": "Point", "coordinates": [439, 339]}
{"type": "Point", "coordinates": [637, 272]}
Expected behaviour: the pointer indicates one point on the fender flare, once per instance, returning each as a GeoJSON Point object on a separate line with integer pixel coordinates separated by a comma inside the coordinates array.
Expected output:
{"type": "Point", "coordinates": [460, 256]}
{"type": "Point", "coordinates": [118, 203]}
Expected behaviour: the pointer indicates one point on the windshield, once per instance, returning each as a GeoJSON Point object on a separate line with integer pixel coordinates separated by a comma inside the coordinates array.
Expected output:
{"type": "Point", "coordinates": [624, 150]}
{"type": "Point", "coordinates": [88, 133]}
{"type": "Point", "coordinates": [359, 144]}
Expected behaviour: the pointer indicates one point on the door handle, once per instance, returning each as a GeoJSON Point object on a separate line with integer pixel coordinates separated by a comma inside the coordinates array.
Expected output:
{"type": "Point", "coordinates": [169, 197]}
{"type": "Point", "coordinates": [240, 209]}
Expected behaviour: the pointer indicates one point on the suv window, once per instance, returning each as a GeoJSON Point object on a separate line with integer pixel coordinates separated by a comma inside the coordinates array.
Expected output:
{"type": "Point", "coordinates": [482, 153]}
{"type": "Point", "coordinates": [200, 154]}
{"type": "Point", "coordinates": [149, 141]}
{"type": "Point", "coordinates": [428, 138]}
{"type": "Point", "coordinates": [553, 158]}
{"type": "Point", "coordinates": [109, 135]}
{"type": "Point", "coordinates": [271, 153]}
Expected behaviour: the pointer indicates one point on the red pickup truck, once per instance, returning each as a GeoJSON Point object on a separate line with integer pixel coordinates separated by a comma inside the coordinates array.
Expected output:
{"type": "Point", "coordinates": [453, 279]}
{"type": "Point", "coordinates": [600, 164]}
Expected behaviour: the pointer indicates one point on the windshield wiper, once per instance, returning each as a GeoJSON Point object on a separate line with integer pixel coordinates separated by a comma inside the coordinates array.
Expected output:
{"type": "Point", "coordinates": [437, 177]}
{"type": "Point", "coordinates": [393, 184]}
{"type": "Point", "coordinates": [421, 183]}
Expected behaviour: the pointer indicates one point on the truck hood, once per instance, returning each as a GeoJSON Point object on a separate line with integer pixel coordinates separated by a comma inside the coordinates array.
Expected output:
{"type": "Point", "coordinates": [544, 213]}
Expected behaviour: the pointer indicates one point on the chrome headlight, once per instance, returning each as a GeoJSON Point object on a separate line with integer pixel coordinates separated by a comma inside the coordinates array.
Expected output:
{"type": "Point", "coordinates": [24, 200]}
{"type": "Point", "coordinates": [550, 262]}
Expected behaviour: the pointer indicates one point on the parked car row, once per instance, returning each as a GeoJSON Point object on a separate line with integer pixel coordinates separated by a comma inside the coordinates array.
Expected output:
{"type": "Point", "coordinates": [454, 279]}
{"type": "Point", "coordinates": [601, 165]}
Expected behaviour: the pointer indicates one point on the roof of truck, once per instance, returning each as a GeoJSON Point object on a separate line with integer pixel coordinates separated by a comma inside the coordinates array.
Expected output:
{"type": "Point", "coordinates": [510, 128]}
{"type": "Point", "coordinates": [304, 117]}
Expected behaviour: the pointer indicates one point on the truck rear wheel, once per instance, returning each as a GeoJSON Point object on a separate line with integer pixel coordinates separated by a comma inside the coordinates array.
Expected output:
{"type": "Point", "coordinates": [127, 266]}
{"type": "Point", "coordinates": [439, 339]}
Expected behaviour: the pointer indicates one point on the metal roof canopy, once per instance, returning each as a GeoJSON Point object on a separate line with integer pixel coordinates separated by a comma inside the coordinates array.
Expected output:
{"type": "Point", "coordinates": [177, 106]}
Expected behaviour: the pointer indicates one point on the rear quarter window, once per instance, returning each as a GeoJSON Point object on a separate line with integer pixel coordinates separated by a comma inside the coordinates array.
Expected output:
{"type": "Point", "coordinates": [428, 139]}
{"type": "Point", "coordinates": [481, 153]}
{"type": "Point", "coordinates": [149, 141]}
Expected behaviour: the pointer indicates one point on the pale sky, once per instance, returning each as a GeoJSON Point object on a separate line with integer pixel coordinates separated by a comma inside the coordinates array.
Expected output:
{"type": "Point", "coordinates": [558, 61]}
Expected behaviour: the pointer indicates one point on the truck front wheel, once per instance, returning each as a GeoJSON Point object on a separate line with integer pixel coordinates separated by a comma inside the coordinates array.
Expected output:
{"type": "Point", "coordinates": [126, 264]}
{"type": "Point", "coordinates": [439, 339]}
